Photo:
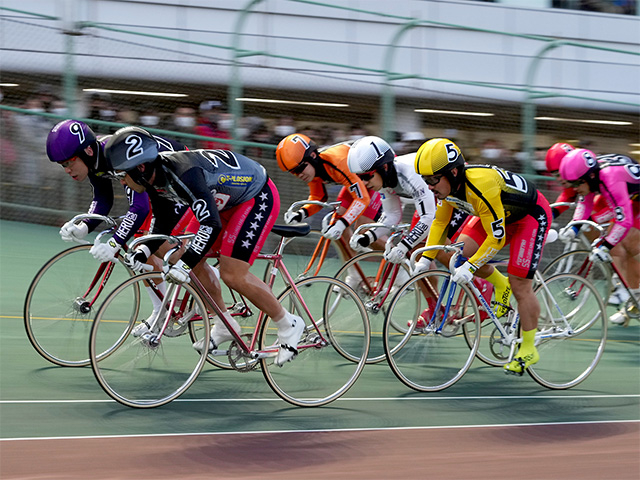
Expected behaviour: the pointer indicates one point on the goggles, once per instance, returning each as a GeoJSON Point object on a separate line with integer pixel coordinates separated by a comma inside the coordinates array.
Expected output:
{"type": "Point", "coordinates": [298, 169]}
{"type": "Point", "coordinates": [365, 176]}
{"type": "Point", "coordinates": [432, 180]}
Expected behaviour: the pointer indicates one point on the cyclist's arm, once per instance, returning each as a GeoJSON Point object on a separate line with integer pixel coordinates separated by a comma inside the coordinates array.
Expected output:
{"type": "Point", "coordinates": [616, 192]}
{"type": "Point", "coordinates": [102, 201]}
{"type": "Point", "coordinates": [391, 212]}
{"type": "Point", "coordinates": [425, 204]}
{"type": "Point", "coordinates": [584, 207]}
{"type": "Point", "coordinates": [138, 210]}
{"type": "Point", "coordinates": [360, 198]}
{"type": "Point", "coordinates": [566, 196]}
{"type": "Point", "coordinates": [317, 192]}
{"type": "Point", "coordinates": [439, 228]}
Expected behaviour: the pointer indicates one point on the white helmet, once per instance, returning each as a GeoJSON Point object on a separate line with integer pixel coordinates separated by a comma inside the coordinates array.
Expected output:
{"type": "Point", "coordinates": [369, 153]}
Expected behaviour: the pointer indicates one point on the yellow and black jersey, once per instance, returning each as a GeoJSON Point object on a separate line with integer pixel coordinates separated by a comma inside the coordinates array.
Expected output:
{"type": "Point", "coordinates": [497, 196]}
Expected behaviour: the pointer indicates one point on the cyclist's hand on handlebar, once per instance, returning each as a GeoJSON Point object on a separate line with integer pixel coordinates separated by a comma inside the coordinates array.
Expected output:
{"type": "Point", "coordinates": [178, 273]}
{"type": "Point", "coordinates": [105, 252]}
{"type": "Point", "coordinates": [137, 260]}
{"type": "Point", "coordinates": [600, 254]}
{"type": "Point", "coordinates": [360, 241]}
{"type": "Point", "coordinates": [295, 217]}
{"type": "Point", "coordinates": [395, 254]}
{"type": "Point", "coordinates": [464, 273]}
{"type": "Point", "coordinates": [71, 232]}
{"type": "Point", "coordinates": [335, 231]}
{"type": "Point", "coordinates": [567, 234]}
{"type": "Point", "coordinates": [422, 265]}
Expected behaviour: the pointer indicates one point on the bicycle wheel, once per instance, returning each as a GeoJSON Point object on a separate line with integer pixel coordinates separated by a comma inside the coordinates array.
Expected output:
{"type": "Point", "coordinates": [569, 351]}
{"type": "Point", "coordinates": [364, 273]}
{"type": "Point", "coordinates": [577, 262]}
{"type": "Point", "coordinates": [433, 353]}
{"type": "Point", "coordinates": [62, 300]}
{"type": "Point", "coordinates": [331, 356]}
{"type": "Point", "coordinates": [157, 367]}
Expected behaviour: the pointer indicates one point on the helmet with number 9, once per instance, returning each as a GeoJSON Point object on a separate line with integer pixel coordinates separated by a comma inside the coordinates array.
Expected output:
{"type": "Point", "coordinates": [578, 164]}
{"type": "Point", "coordinates": [129, 147]}
{"type": "Point", "coordinates": [293, 150]}
{"type": "Point", "coordinates": [555, 154]}
{"type": "Point", "coordinates": [369, 153]}
{"type": "Point", "coordinates": [69, 139]}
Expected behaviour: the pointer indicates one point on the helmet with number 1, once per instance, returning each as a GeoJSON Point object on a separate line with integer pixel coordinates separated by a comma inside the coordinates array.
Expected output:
{"type": "Point", "coordinates": [69, 139]}
{"type": "Point", "coordinates": [555, 154]}
{"type": "Point", "coordinates": [439, 156]}
{"type": "Point", "coordinates": [368, 154]}
{"type": "Point", "coordinates": [578, 165]}
{"type": "Point", "coordinates": [293, 150]}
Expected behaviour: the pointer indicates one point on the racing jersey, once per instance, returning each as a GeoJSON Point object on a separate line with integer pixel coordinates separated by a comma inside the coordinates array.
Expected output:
{"type": "Point", "coordinates": [619, 184]}
{"type": "Point", "coordinates": [209, 181]}
{"type": "Point", "coordinates": [333, 159]}
{"type": "Point", "coordinates": [499, 197]}
{"type": "Point", "coordinates": [410, 186]}
{"type": "Point", "coordinates": [103, 196]}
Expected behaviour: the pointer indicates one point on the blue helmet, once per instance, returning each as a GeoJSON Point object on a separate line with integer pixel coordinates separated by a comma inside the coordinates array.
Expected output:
{"type": "Point", "coordinates": [69, 139]}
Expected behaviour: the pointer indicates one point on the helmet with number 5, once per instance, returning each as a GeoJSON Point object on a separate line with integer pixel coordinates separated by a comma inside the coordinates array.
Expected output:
{"type": "Point", "coordinates": [69, 139]}
{"type": "Point", "coordinates": [555, 154]}
{"type": "Point", "coordinates": [439, 156]}
{"type": "Point", "coordinates": [129, 147]}
{"type": "Point", "coordinates": [295, 149]}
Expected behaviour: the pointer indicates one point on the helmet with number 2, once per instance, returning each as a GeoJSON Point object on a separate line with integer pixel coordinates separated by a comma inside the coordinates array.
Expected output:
{"type": "Point", "coordinates": [578, 164]}
{"type": "Point", "coordinates": [69, 139]}
{"type": "Point", "coordinates": [555, 154]}
{"type": "Point", "coordinates": [129, 147]}
{"type": "Point", "coordinates": [369, 153]}
{"type": "Point", "coordinates": [293, 150]}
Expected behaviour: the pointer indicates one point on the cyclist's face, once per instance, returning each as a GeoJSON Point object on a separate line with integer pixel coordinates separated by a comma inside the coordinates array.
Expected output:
{"type": "Point", "coordinates": [307, 174]}
{"type": "Point", "coordinates": [136, 187]}
{"type": "Point", "coordinates": [442, 188]}
{"type": "Point", "coordinates": [75, 168]}
{"type": "Point", "coordinates": [582, 188]}
{"type": "Point", "coordinates": [374, 182]}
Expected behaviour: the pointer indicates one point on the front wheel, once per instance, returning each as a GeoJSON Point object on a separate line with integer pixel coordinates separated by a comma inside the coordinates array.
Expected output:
{"type": "Point", "coordinates": [332, 351]}
{"type": "Point", "coordinates": [155, 368]}
{"type": "Point", "coordinates": [433, 353]}
{"type": "Point", "coordinates": [578, 263]}
{"type": "Point", "coordinates": [572, 330]}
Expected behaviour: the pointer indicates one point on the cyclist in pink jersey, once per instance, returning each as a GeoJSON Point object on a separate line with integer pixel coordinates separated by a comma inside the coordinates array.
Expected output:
{"type": "Point", "coordinates": [617, 179]}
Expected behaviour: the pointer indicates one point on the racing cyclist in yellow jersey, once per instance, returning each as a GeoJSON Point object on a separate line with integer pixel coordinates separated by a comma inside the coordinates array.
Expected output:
{"type": "Point", "coordinates": [507, 209]}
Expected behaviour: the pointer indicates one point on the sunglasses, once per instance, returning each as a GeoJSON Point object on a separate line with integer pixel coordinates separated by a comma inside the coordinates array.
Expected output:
{"type": "Point", "coordinates": [115, 175]}
{"type": "Point", "coordinates": [365, 176]}
{"type": "Point", "coordinates": [576, 183]}
{"type": "Point", "coordinates": [432, 180]}
{"type": "Point", "coordinates": [298, 169]}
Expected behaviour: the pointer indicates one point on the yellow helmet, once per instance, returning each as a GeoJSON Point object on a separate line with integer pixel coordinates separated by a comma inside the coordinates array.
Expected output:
{"type": "Point", "coordinates": [293, 149]}
{"type": "Point", "coordinates": [438, 156]}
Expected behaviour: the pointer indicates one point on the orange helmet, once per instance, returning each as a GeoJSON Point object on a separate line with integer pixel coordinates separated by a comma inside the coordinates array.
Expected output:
{"type": "Point", "coordinates": [293, 150]}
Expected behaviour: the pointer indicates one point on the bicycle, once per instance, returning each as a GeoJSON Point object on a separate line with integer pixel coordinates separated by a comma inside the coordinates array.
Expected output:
{"type": "Point", "coordinates": [434, 354]}
{"type": "Point", "coordinates": [375, 281]}
{"type": "Point", "coordinates": [62, 298]}
{"type": "Point", "coordinates": [154, 369]}
{"type": "Point", "coordinates": [599, 273]}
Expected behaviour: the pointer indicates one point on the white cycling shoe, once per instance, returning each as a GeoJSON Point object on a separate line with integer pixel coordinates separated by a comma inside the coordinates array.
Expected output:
{"type": "Point", "coordinates": [145, 326]}
{"type": "Point", "coordinates": [290, 330]}
{"type": "Point", "coordinates": [219, 335]}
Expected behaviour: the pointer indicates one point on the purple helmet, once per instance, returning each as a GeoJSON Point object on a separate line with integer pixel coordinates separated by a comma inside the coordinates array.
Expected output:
{"type": "Point", "coordinates": [577, 164]}
{"type": "Point", "coordinates": [68, 139]}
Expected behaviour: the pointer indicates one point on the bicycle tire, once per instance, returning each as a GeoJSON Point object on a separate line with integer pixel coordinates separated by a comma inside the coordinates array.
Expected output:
{"type": "Point", "coordinates": [142, 372]}
{"type": "Point", "coordinates": [57, 316]}
{"type": "Point", "coordinates": [423, 358]}
{"type": "Point", "coordinates": [567, 361]}
{"type": "Point", "coordinates": [331, 356]}
{"type": "Point", "coordinates": [577, 262]}
{"type": "Point", "coordinates": [360, 273]}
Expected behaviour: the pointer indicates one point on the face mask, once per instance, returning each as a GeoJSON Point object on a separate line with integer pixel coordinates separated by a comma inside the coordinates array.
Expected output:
{"type": "Point", "coordinates": [107, 113]}
{"type": "Point", "coordinates": [491, 153]}
{"type": "Point", "coordinates": [225, 124]}
{"type": "Point", "coordinates": [284, 130]}
{"type": "Point", "coordinates": [149, 120]}
{"type": "Point", "coordinates": [59, 111]}
{"type": "Point", "coordinates": [185, 121]}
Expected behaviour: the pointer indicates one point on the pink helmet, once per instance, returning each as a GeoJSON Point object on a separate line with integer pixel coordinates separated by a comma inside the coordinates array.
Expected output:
{"type": "Point", "coordinates": [555, 155]}
{"type": "Point", "coordinates": [577, 164]}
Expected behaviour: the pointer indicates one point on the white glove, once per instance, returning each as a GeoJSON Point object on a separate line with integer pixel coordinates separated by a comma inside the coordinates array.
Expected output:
{"type": "Point", "coordinates": [464, 273]}
{"type": "Point", "coordinates": [361, 241]}
{"type": "Point", "coordinates": [178, 273]}
{"type": "Point", "coordinates": [567, 234]}
{"type": "Point", "coordinates": [422, 265]}
{"type": "Point", "coordinates": [71, 232]}
{"type": "Point", "coordinates": [334, 232]}
{"type": "Point", "coordinates": [294, 217]}
{"type": "Point", "coordinates": [137, 260]}
{"type": "Point", "coordinates": [600, 254]}
{"type": "Point", "coordinates": [105, 252]}
{"type": "Point", "coordinates": [395, 254]}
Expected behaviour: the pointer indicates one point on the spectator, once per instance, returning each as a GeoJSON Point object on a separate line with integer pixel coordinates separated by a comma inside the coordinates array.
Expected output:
{"type": "Point", "coordinates": [184, 121]}
{"type": "Point", "coordinates": [207, 126]}
{"type": "Point", "coordinates": [411, 141]}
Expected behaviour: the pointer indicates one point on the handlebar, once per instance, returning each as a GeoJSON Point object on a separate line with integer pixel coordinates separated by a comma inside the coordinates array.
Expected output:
{"type": "Point", "coordinates": [301, 203]}
{"type": "Point", "coordinates": [171, 239]}
{"type": "Point", "coordinates": [590, 223]}
{"type": "Point", "coordinates": [402, 227]}
{"type": "Point", "coordinates": [456, 248]}
{"type": "Point", "coordinates": [94, 216]}
{"type": "Point", "coordinates": [562, 204]}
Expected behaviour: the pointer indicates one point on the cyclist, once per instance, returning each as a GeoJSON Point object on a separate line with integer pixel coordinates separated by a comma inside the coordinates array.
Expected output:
{"type": "Point", "coordinates": [617, 179]}
{"type": "Point", "coordinates": [235, 203]}
{"type": "Point", "coordinates": [506, 209]}
{"type": "Point", "coordinates": [297, 154]}
{"type": "Point", "coordinates": [601, 212]}
{"type": "Point", "coordinates": [76, 148]}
